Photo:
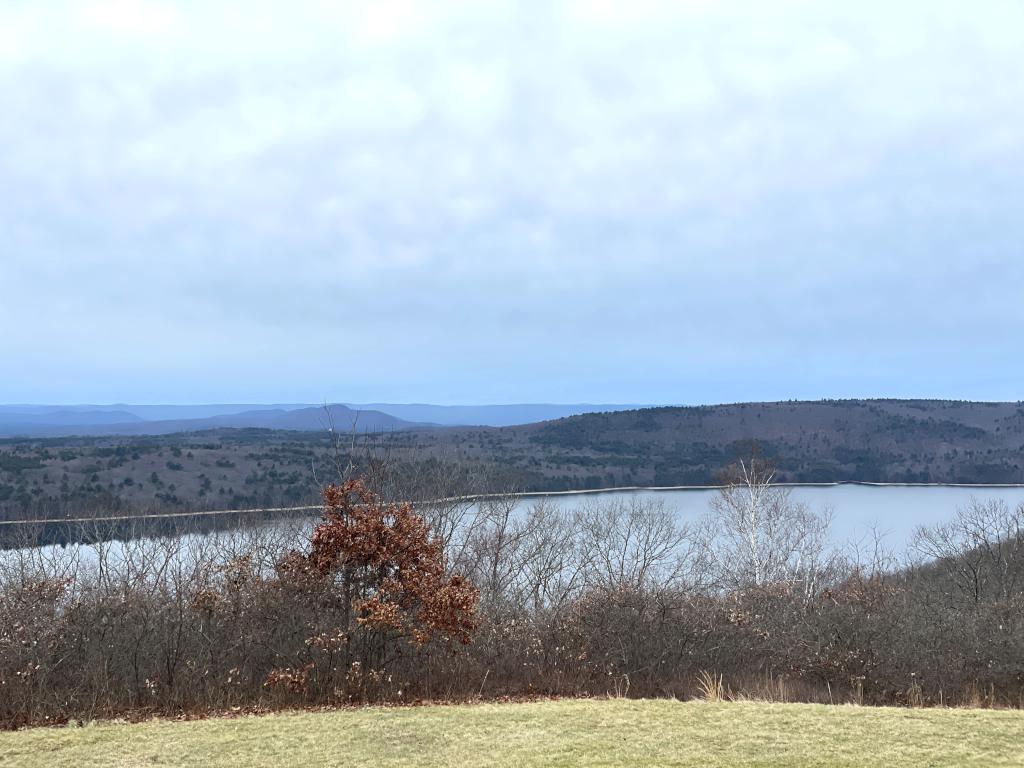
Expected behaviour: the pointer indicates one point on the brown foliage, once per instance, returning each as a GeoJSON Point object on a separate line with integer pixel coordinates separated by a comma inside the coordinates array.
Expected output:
{"type": "Point", "coordinates": [384, 562]}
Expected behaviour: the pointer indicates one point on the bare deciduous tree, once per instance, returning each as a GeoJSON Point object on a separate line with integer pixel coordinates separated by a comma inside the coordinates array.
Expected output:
{"type": "Point", "coordinates": [981, 549]}
{"type": "Point", "coordinates": [760, 536]}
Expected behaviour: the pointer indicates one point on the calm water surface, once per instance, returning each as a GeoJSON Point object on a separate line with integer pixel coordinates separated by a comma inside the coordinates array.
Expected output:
{"type": "Point", "coordinates": [895, 511]}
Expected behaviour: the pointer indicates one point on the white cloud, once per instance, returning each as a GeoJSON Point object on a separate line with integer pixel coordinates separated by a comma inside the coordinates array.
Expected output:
{"type": "Point", "coordinates": [475, 162]}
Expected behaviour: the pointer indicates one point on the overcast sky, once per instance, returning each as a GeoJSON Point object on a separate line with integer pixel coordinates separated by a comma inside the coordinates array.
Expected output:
{"type": "Point", "coordinates": [473, 202]}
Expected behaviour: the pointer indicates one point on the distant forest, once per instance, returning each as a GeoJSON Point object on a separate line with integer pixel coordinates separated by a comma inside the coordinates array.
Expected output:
{"type": "Point", "coordinates": [919, 441]}
{"type": "Point", "coordinates": [912, 441]}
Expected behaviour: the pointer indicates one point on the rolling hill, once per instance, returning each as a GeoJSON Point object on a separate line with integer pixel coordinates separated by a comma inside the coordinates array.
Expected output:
{"type": "Point", "coordinates": [926, 441]}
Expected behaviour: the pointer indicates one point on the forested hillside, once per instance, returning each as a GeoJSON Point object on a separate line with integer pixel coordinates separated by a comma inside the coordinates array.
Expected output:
{"type": "Point", "coordinates": [869, 440]}
{"type": "Point", "coordinates": [866, 440]}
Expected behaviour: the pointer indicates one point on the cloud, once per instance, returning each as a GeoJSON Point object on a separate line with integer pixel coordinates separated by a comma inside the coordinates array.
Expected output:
{"type": "Point", "coordinates": [639, 183]}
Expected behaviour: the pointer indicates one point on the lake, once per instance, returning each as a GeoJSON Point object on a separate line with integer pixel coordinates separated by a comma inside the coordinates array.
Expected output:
{"type": "Point", "coordinates": [896, 511]}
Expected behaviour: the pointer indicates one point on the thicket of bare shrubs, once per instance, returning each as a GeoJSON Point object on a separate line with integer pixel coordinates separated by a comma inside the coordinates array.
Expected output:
{"type": "Point", "coordinates": [385, 602]}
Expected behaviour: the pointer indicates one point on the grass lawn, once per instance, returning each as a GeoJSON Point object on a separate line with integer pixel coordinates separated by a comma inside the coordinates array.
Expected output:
{"type": "Point", "coordinates": [592, 733]}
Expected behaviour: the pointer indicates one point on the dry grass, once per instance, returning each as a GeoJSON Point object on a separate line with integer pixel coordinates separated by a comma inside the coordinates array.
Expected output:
{"type": "Point", "coordinates": [710, 687]}
{"type": "Point", "coordinates": [554, 733]}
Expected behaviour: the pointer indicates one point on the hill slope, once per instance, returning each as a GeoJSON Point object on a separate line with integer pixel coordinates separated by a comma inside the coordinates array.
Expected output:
{"type": "Point", "coordinates": [822, 441]}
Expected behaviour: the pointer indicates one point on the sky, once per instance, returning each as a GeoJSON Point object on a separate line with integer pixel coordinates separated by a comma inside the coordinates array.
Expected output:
{"type": "Point", "coordinates": [488, 202]}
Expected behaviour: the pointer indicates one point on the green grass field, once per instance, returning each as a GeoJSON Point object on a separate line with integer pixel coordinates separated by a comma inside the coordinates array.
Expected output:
{"type": "Point", "coordinates": [593, 733]}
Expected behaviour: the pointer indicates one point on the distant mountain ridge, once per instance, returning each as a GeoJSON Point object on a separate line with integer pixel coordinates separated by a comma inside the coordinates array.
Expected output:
{"type": "Point", "coordinates": [61, 417]}
{"type": "Point", "coordinates": [110, 423]}
{"type": "Point", "coordinates": [490, 415]}
{"type": "Point", "coordinates": [125, 419]}
{"type": "Point", "coordinates": [157, 412]}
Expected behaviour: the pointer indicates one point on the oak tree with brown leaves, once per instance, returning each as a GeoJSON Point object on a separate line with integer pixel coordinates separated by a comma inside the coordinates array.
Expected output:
{"type": "Point", "coordinates": [380, 565]}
